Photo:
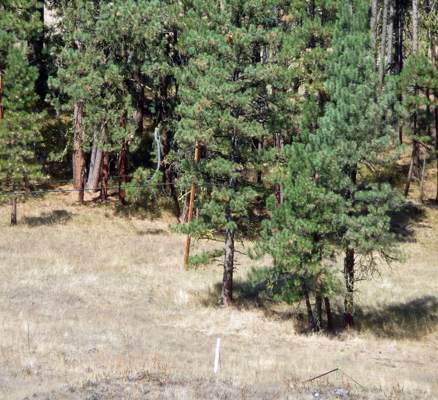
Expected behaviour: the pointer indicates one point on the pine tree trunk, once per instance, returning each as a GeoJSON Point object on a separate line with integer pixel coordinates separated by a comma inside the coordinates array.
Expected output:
{"type": "Point", "coordinates": [318, 308]}
{"type": "Point", "coordinates": [398, 59]}
{"type": "Point", "coordinates": [278, 143]}
{"type": "Point", "coordinates": [259, 149]}
{"type": "Point", "coordinates": [122, 174]}
{"type": "Point", "coordinates": [328, 311]}
{"type": "Point", "coordinates": [14, 211]}
{"type": "Point", "coordinates": [414, 166]}
{"type": "Point", "coordinates": [95, 162]}
{"type": "Point", "coordinates": [434, 63]}
{"type": "Point", "coordinates": [374, 11]}
{"type": "Point", "coordinates": [383, 44]}
{"type": "Point", "coordinates": [79, 155]}
{"type": "Point", "coordinates": [390, 36]}
{"type": "Point", "coordinates": [139, 80]}
{"type": "Point", "coordinates": [105, 175]}
{"type": "Point", "coordinates": [349, 286]}
{"type": "Point", "coordinates": [186, 209]}
{"type": "Point", "coordinates": [312, 324]}
{"type": "Point", "coordinates": [2, 112]}
{"type": "Point", "coordinates": [36, 54]}
{"type": "Point", "coordinates": [349, 273]}
{"type": "Point", "coordinates": [190, 209]}
{"type": "Point", "coordinates": [227, 281]}
{"type": "Point", "coordinates": [415, 24]}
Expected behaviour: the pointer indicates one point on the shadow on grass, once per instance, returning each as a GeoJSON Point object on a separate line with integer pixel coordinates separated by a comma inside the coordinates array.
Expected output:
{"type": "Point", "coordinates": [402, 220]}
{"type": "Point", "coordinates": [152, 210]}
{"type": "Point", "coordinates": [247, 296]}
{"type": "Point", "coordinates": [56, 217]}
{"type": "Point", "coordinates": [411, 320]}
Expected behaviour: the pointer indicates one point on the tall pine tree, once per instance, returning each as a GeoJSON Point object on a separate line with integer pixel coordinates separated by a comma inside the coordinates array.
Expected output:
{"type": "Point", "coordinates": [225, 93]}
{"type": "Point", "coordinates": [353, 146]}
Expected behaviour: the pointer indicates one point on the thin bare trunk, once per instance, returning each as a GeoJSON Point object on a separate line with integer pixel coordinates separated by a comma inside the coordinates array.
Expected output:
{"type": "Point", "coordinates": [349, 286]}
{"type": "Point", "coordinates": [415, 24]}
{"type": "Point", "coordinates": [398, 56]}
{"type": "Point", "coordinates": [312, 324]}
{"type": "Point", "coordinates": [14, 211]}
{"type": "Point", "coordinates": [414, 166]}
{"type": "Point", "coordinates": [374, 11]}
{"type": "Point", "coordinates": [390, 36]}
{"type": "Point", "coordinates": [139, 80]}
{"type": "Point", "coordinates": [95, 161]}
{"type": "Point", "coordinates": [434, 63]}
{"type": "Point", "coordinates": [383, 44]}
{"type": "Point", "coordinates": [2, 112]}
{"type": "Point", "coordinates": [318, 310]}
{"type": "Point", "coordinates": [278, 143]}
{"type": "Point", "coordinates": [422, 175]}
{"type": "Point", "coordinates": [259, 149]}
{"type": "Point", "coordinates": [105, 175]}
{"type": "Point", "coordinates": [227, 281]}
{"type": "Point", "coordinates": [122, 173]}
{"type": "Point", "coordinates": [79, 155]}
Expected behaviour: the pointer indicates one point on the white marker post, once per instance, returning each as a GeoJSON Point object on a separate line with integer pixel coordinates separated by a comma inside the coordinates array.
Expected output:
{"type": "Point", "coordinates": [216, 359]}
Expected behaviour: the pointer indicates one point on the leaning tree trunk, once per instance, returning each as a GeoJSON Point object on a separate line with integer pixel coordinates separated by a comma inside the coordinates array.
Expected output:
{"type": "Point", "coordinates": [79, 154]}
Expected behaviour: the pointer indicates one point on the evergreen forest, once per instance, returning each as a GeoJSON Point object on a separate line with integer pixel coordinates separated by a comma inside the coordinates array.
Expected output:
{"type": "Point", "coordinates": [282, 122]}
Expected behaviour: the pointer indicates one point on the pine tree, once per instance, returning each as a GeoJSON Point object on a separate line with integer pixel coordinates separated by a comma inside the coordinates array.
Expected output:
{"type": "Point", "coordinates": [19, 129]}
{"type": "Point", "coordinates": [352, 147]}
{"type": "Point", "coordinates": [299, 237]}
{"type": "Point", "coordinates": [225, 93]}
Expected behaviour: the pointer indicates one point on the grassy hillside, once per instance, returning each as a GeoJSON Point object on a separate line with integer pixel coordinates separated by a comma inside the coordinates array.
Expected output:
{"type": "Point", "coordinates": [95, 304]}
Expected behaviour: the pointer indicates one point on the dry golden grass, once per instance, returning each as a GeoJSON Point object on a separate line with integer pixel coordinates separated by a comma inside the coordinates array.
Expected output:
{"type": "Point", "coordinates": [96, 305]}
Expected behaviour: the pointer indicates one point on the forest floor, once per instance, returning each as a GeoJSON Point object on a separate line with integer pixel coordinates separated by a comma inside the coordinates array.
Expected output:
{"type": "Point", "coordinates": [95, 304]}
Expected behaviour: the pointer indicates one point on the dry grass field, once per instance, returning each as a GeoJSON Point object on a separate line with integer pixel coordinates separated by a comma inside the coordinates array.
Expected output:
{"type": "Point", "coordinates": [95, 304]}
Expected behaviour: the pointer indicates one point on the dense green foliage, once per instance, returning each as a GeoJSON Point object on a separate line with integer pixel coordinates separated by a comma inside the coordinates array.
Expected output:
{"type": "Point", "coordinates": [295, 131]}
